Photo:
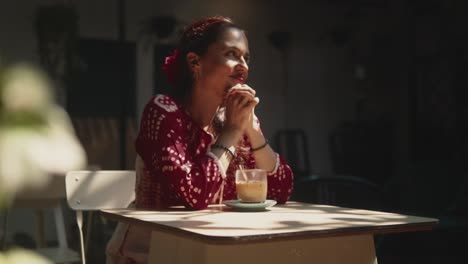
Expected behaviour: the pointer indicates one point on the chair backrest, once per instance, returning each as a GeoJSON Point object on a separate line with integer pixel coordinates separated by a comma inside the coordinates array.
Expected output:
{"type": "Point", "coordinates": [95, 190]}
{"type": "Point", "coordinates": [363, 149]}
{"type": "Point", "coordinates": [340, 190]}
{"type": "Point", "coordinates": [292, 145]}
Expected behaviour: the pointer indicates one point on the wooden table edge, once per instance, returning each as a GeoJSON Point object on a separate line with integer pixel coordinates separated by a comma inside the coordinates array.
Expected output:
{"type": "Point", "coordinates": [348, 231]}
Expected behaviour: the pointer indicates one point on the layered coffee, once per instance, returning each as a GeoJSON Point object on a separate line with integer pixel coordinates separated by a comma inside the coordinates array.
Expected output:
{"type": "Point", "coordinates": [251, 191]}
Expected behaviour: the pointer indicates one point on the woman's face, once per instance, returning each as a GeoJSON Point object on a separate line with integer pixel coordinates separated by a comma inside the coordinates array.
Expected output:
{"type": "Point", "coordinates": [225, 62]}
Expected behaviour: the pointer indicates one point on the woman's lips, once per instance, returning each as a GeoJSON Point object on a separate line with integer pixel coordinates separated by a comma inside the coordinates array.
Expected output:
{"type": "Point", "coordinates": [238, 79]}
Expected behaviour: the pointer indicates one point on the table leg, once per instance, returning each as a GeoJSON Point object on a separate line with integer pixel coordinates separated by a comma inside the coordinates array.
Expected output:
{"type": "Point", "coordinates": [167, 248]}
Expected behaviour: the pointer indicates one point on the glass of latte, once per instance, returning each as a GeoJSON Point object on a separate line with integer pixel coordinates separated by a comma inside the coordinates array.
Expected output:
{"type": "Point", "coordinates": [251, 185]}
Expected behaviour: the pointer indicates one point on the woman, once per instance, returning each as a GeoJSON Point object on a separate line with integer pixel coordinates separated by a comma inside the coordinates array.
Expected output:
{"type": "Point", "coordinates": [191, 142]}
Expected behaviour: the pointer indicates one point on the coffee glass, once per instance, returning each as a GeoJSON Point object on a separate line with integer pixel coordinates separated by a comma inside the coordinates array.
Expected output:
{"type": "Point", "coordinates": [251, 185]}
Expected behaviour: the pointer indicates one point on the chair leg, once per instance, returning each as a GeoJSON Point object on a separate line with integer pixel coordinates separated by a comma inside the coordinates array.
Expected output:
{"type": "Point", "coordinates": [40, 240]}
{"type": "Point", "coordinates": [4, 230]}
{"type": "Point", "coordinates": [60, 226]}
{"type": "Point", "coordinates": [88, 230]}
{"type": "Point", "coordinates": [79, 222]}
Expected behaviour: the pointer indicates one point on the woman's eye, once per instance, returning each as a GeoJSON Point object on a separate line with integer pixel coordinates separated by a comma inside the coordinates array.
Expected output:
{"type": "Point", "coordinates": [231, 53]}
{"type": "Point", "coordinates": [237, 55]}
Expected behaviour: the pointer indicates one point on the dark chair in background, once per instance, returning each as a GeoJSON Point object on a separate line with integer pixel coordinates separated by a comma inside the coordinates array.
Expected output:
{"type": "Point", "coordinates": [363, 149]}
{"type": "Point", "coordinates": [292, 144]}
{"type": "Point", "coordinates": [339, 190]}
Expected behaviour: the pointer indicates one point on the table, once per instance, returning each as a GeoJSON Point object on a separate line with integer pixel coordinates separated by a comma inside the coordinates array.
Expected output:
{"type": "Point", "coordinates": [290, 233]}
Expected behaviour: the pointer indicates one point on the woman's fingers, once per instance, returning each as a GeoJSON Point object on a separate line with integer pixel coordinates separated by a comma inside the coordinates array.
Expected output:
{"type": "Point", "coordinates": [244, 100]}
{"type": "Point", "coordinates": [241, 87]}
{"type": "Point", "coordinates": [242, 92]}
{"type": "Point", "coordinates": [241, 96]}
{"type": "Point", "coordinates": [252, 103]}
{"type": "Point", "coordinates": [240, 103]}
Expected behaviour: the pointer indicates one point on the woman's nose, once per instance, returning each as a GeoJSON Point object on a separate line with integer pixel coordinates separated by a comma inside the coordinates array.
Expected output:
{"type": "Point", "coordinates": [243, 63]}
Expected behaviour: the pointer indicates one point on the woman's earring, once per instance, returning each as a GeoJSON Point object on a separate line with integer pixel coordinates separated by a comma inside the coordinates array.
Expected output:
{"type": "Point", "coordinates": [195, 72]}
{"type": "Point", "coordinates": [196, 75]}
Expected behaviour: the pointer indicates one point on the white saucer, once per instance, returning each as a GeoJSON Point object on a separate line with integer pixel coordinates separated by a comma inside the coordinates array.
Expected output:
{"type": "Point", "coordinates": [249, 206]}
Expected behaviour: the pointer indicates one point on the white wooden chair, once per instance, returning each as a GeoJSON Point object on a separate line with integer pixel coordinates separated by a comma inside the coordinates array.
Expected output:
{"type": "Point", "coordinates": [96, 190]}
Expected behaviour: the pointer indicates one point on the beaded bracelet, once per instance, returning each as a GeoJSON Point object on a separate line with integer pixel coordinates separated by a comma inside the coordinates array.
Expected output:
{"type": "Point", "coordinates": [260, 147]}
{"type": "Point", "coordinates": [218, 146]}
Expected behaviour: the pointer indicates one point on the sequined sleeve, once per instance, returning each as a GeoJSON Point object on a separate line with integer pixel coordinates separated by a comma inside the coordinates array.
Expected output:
{"type": "Point", "coordinates": [280, 181]}
{"type": "Point", "coordinates": [177, 151]}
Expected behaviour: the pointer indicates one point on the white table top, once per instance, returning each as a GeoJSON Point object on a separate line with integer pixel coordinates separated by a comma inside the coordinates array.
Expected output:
{"type": "Point", "coordinates": [220, 224]}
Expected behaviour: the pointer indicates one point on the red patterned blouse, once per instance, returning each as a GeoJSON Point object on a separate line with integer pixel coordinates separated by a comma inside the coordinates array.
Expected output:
{"type": "Point", "coordinates": [178, 167]}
